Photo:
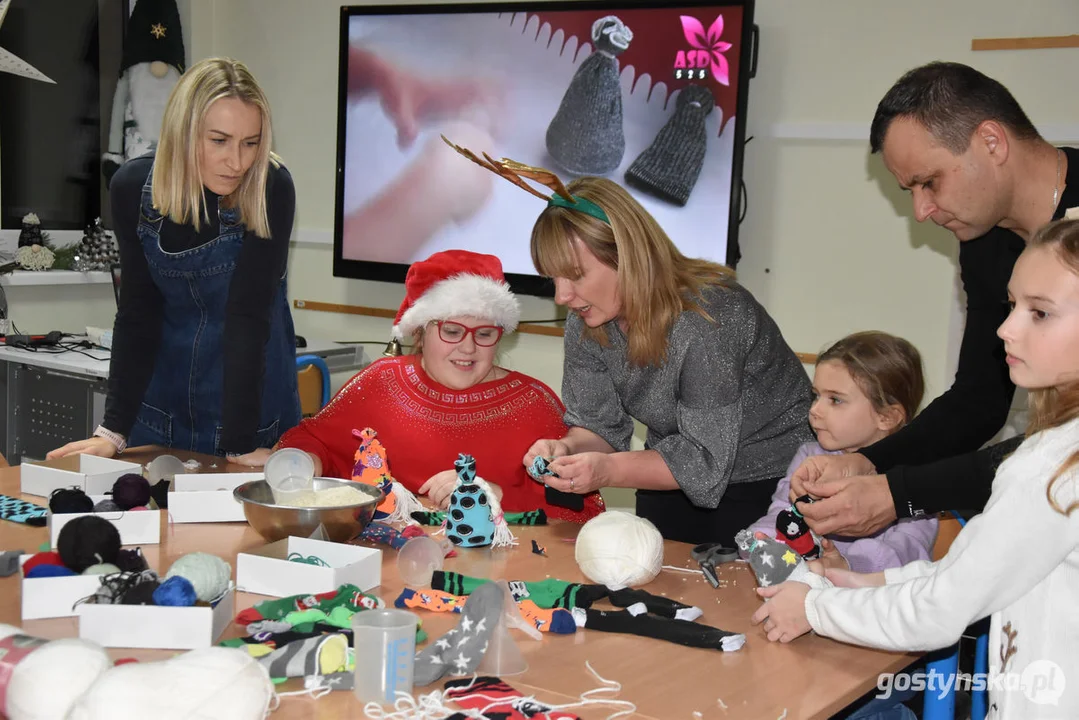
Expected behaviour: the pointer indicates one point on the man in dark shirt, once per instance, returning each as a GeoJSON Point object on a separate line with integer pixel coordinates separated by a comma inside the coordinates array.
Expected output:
{"type": "Point", "coordinates": [972, 161]}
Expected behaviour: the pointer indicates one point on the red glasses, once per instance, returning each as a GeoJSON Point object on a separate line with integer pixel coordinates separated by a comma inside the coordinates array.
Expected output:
{"type": "Point", "coordinates": [453, 333]}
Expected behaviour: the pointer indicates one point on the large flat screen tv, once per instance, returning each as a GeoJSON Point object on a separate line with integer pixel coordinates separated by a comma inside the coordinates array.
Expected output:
{"type": "Point", "coordinates": [578, 88]}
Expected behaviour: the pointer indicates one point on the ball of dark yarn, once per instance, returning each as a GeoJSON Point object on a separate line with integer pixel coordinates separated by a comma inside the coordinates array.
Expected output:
{"type": "Point", "coordinates": [129, 560]}
{"type": "Point", "coordinates": [130, 491]}
{"type": "Point", "coordinates": [107, 505]}
{"type": "Point", "coordinates": [140, 594]}
{"type": "Point", "coordinates": [86, 541]}
{"type": "Point", "coordinates": [70, 500]}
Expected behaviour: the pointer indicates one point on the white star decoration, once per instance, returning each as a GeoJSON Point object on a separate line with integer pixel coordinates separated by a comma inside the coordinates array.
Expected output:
{"type": "Point", "coordinates": [462, 662]}
{"type": "Point", "coordinates": [766, 559]}
{"type": "Point", "coordinates": [481, 625]}
{"type": "Point", "coordinates": [436, 659]}
{"type": "Point", "coordinates": [443, 643]}
{"type": "Point", "coordinates": [466, 624]}
{"type": "Point", "coordinates": [9, 63]}
{"type": "Point", "coordinates": [462, 641]}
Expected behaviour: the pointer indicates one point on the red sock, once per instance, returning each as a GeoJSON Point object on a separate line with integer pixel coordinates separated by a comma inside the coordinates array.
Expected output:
{"type": "Point", "coordinates": [484, 694]}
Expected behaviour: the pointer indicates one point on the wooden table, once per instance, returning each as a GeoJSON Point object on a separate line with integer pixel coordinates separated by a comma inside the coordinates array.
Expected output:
{"type": "Point", "coordinates": [811, 678]}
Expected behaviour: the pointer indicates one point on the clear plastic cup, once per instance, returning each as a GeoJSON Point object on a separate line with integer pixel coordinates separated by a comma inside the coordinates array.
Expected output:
{"type": "Point", "coordinates": [385, 643]}
{"type": "Point", "coordinates": [417, 561]}
{"type": "Point", "coordinates": [290, 474]}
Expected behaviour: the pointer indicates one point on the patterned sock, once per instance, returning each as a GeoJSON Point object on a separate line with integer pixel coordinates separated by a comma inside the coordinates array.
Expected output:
{"type": "Point", "coordinates": [772, 561]}
{"type": "Point", "coordinates": [433, 600]}
{"type": "Point", "coordinates": [682, 632]}
{"type": "Point", "coordinates": [485, 693]}
{"type": "Point", "coordinates": [655, 604]}
{"type": "Point", "coordinates": [346, 595]}
{"type": "Point", "coordinates": [377, 532]}
{"type": "Point", "coordinates": [549, 593]}
{"type": "Point", "coordinates": [460, 650]}
{"type": "Point", "coordinates": [557, 620]}
{"type": "Point", "coordinates": [431, 517]}
{"type": "Point", "coordinates": [20, 511]}
{"type": "Point", "coordinates": [532, 517]}
{"type": "Point", "coordinates": [313, 656]}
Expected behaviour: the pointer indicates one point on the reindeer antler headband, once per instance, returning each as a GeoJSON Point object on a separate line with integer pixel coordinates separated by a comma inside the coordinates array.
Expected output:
{"type": "Point", "coordinates": [516, 173]}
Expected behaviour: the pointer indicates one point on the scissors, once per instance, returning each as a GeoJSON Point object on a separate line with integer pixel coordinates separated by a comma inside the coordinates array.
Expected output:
{"type": "Point", "coordinates": [708, 555]}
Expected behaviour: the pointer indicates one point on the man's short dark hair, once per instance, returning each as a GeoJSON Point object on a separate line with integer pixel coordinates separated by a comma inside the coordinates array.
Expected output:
{"type": "Point", "coordinates": [950, 100]}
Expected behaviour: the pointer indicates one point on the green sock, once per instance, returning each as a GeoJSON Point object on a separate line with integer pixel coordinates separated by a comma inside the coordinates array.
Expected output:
{"type": "Point", "coordinates": [429, 517]}
{"type": "Point", "coordinates": [532, 517]}
{"type": "Point", "coordinates": [547, 594]}
{"type": "Point", "coordinates": [346, 595]}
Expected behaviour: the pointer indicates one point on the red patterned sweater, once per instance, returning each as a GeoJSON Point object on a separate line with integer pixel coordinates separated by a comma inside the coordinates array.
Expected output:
{"type": "Point", "coordinates": [424, 425]}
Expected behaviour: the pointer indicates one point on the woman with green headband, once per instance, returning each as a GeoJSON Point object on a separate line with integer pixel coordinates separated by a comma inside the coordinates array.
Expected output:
{"type": "Point", "coordinates": [676, 344]}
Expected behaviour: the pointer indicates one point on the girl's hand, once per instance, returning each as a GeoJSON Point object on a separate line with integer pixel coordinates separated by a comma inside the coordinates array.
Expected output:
{"type": "Point", "coordinates": [830, 559]}
{"type": "Point", "coordinates": [99, 446]}
{"type": "Point", "coordinates": [850, 579]}
{"type": "Point", "coordinates": [783, 616]}
{"type": "Point", "coordinates": [439, 487]}
{"type": "Point", "coordinates": [581, 473]}
{"type": "Point", "coordinates": [547, 449]}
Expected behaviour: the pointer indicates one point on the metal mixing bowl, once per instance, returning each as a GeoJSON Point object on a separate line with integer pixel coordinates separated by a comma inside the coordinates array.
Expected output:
{"type": "Point", "coordinates": [275, 522]}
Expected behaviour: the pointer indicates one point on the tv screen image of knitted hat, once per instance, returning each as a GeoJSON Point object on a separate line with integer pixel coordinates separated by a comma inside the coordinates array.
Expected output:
{"type": "Point", "coordinates": [579, 89]}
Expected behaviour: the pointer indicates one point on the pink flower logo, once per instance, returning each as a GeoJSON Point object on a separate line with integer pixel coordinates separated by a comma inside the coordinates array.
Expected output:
{"type": "Point", "coordinates": [709, 41]}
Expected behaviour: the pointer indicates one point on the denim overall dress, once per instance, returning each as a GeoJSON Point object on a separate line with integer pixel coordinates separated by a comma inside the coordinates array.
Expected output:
{"type": "Point", "coordinates": [182, 406]}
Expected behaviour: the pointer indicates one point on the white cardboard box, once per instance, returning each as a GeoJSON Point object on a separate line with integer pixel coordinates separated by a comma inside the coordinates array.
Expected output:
{"type": "Point", "coordinates": [139, 527]}
{"type": "Point", "coordinates": [266, 571]}
{"type": "Point", "coordinates": [95, 475]}
{"type": "Point", "coordinates": [207, 498]}
{"type": "Point", "coordinates": [152, 626]}
{"type": "Point", "coordinates": [52, 597]}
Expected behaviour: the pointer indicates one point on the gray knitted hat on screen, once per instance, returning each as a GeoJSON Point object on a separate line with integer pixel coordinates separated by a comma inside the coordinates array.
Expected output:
{"type": "Point", "coordinates": [586, 137]}
{"type": "Point", "coordinates": [669, 168]}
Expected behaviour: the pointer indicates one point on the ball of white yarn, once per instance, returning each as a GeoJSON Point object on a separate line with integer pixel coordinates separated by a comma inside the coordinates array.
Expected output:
{"type": "Point", "coordinates": [50, 679]}
{"type": "Point", "coordinates": [213, 683]}
{"type": "Point", "coordinates": [209, 574]}
{"type": "Point", "coordinates": [619, 550]}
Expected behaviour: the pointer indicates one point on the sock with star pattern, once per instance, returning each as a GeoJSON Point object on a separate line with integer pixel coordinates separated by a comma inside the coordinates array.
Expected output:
{"type": "Point", "coordinates": [772, 561]}
{"type": "Point", "coordinates": [459, 651]}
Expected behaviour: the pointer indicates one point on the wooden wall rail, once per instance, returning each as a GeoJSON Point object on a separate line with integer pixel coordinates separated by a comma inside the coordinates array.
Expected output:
{"type": "Point", "coordinates": [526, 327]}
{"type": "Point", "coordinates": [1025, 43]}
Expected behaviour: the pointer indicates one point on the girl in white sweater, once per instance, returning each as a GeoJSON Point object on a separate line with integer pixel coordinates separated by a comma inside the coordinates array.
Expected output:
{"type": "Point", "coordinates": [1019, 560]}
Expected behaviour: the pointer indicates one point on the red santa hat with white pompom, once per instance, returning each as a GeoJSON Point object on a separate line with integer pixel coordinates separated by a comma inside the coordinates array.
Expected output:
{"type": "Point", "coordinates": [456, 283]}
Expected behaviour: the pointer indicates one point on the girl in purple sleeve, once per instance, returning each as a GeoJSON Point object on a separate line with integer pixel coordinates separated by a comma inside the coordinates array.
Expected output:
{"type": "Point", "coordinates": [865, 387]}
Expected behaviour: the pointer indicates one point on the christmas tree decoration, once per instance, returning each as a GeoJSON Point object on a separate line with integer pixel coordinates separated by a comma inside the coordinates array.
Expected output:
{"type": "Point", "coordinates": [586, 136]}
{"type": "Point", "coordinates": [152, 63]}
{"type": "Point", "coordinates": [97, 250]}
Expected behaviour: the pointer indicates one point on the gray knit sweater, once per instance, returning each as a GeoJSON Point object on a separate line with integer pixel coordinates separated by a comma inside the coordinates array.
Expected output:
{"type": "Point", "coordinates": [730, 404]}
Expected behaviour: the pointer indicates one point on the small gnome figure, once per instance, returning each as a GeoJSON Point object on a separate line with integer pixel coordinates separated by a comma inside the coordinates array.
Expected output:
{"type": "Point", "coordinates": [792, 529]}
{"type": "Point", "coordinates": [475, 516]}
{"type": "Point", "coordinates": [152, 63]}
{"type": "Point", "coordinates": [33, 252]}
{"type": "Point", "coordinates": [372, 467]}
{"type": "Point", "coordinates": [586, 135]}
{"type": "Point", "coordinates": [670, 166]}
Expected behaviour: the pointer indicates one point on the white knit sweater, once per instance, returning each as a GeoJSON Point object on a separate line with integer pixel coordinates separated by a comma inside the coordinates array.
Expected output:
{"type": "Point", "coordinates": [1018, 561]}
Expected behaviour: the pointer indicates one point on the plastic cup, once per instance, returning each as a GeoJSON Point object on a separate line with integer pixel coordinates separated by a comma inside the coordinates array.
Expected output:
{"type": "Point", "coordinates": [289, 473]}
{"type": "Point", "coordinates": [417, 561]}
{"type": "Point", "coordinates": [164, 467]}
{"type": "Point", "coordinates": [385, 644]}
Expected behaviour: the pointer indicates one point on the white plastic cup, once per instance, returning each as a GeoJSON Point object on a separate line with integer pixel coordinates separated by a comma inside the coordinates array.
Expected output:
{"type": "Point", "coordinates": [290, 473]}
{"type": "Point", "coordinates": [385, 644]}
{"type": "Point", "coordinates": [417, 561]}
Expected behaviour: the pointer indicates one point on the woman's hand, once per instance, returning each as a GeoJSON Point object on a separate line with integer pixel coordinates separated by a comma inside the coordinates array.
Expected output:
{"type": "Point", "coordinates": [783, 616]}
{"type": "Point", "coordinates": [547, 449]}
{"type": "Point", "coordinates": [99, 446]}
{"type": "Point", "coordinates": [581, 473]}
{"type": "Point", "coordinates": [255, 458]}
{"type": "Point", "coordinates": [830, 559]}
{"type": "Point", "coordinates": [439, 487]}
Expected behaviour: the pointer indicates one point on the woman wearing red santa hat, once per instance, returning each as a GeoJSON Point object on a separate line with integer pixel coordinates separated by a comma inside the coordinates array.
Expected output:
{"type": "Point", "coordinates": [449, 396]}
